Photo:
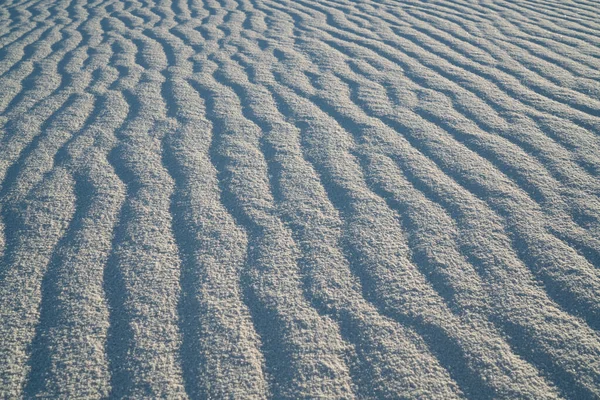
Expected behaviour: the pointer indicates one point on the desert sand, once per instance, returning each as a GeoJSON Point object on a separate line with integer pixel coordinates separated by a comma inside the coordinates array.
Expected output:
{"type": "Point", "coordinates": [288, 199]}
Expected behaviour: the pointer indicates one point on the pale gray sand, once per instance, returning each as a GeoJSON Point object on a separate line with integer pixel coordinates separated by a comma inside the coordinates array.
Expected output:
{"type": "Point", "coordinates": [299, 199]}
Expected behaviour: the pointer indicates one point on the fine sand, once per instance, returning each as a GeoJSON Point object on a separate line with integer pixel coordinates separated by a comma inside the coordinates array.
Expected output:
{"type": "Point", "coordinates": [295, 199]}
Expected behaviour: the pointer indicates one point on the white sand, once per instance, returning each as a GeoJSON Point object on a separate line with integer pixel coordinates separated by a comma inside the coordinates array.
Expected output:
{"type": "Point", "coordinates": [299, 199]}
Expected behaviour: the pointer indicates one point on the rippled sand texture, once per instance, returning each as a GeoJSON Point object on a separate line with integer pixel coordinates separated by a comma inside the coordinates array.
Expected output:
{"type": "Point", "coordinates": [299, 199]}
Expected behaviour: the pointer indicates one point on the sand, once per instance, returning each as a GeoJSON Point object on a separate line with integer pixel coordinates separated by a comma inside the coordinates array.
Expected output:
{"type": "Point", "coordinates": [296, 199]}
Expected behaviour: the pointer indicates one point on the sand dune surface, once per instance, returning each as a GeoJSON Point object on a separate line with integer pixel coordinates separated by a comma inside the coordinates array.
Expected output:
{"type": "Point", "coordinates": [300, 199]}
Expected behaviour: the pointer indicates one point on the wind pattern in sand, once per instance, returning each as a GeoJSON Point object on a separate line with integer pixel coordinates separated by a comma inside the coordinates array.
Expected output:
{"type": "Point", "coordinates": [295, 199]}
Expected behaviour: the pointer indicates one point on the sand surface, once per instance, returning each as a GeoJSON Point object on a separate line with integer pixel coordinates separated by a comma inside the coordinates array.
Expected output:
{"type": "Point", "coordinates": [296, 199]}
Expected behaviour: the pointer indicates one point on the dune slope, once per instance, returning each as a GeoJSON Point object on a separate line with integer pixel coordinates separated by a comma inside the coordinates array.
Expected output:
{"type": "Point", "coordinates": [300, 199]}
